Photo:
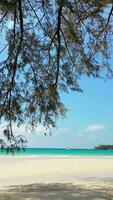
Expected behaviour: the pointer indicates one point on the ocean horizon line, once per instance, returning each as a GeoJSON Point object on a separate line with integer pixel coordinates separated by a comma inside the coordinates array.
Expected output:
{"type": "Point", "coordinates": [60, 151]}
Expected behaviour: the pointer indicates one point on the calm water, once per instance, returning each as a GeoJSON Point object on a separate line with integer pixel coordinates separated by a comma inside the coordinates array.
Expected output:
{"type": "Point", "coordinates": [73, 152]}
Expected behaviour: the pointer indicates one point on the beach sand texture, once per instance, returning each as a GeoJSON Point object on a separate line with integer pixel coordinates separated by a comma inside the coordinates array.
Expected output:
{"type": "Point", "coordinates": [56, 178]}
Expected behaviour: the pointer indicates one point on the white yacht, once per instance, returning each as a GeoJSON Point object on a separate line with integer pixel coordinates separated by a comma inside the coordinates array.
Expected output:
{"type": "Point", "coordinates": [68, 148]}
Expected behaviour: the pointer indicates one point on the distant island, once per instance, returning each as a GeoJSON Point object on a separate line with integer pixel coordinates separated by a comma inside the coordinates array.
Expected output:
{"type": "Point", "coordinates": [104, 147]}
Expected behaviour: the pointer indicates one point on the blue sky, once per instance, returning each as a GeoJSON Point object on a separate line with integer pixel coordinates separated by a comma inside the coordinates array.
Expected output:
{"type": "Point", "coordinates": [89, 120]}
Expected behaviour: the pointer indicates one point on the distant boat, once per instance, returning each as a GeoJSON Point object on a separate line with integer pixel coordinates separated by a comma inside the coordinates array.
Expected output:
{"type": "Point", "coordinates": [68, 148]}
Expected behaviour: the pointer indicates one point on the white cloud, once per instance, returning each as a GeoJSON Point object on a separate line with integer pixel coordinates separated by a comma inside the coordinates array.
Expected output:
{"type": "Point", "coordinates": [91, 129]}
{"type": "Point", "coordinates": [94, 128]}
{"type": "Point", "coordinates": [90, 133]}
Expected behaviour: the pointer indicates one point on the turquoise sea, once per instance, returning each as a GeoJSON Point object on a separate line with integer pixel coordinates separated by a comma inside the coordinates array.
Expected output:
{"type": "Point", "coordinates": [61, 152]}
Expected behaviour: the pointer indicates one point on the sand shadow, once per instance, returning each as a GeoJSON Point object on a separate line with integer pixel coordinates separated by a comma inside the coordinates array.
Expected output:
{"type": "Point", "coordinates": [56, 192]}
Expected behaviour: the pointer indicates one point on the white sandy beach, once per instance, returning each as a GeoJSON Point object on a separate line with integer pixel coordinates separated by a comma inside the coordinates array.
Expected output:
{"type": "Point", "coordinates": [62, 173]}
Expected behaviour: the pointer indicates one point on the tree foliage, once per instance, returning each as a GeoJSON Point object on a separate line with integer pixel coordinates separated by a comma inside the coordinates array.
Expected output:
{"type": "Point", "coordinates": [47, 47]}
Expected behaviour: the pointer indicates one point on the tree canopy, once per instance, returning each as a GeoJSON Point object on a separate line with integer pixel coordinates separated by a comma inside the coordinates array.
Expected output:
{"type": "Point", "coordinates": [46, 47]}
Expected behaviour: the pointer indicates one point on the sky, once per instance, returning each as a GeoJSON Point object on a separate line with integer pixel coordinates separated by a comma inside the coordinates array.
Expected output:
{"type": "Point", "coordinates": [88, 122]}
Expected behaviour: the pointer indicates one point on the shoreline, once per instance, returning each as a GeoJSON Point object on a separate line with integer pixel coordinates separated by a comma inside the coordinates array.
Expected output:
{"type": "Point", "coordinates": [47, 156]}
